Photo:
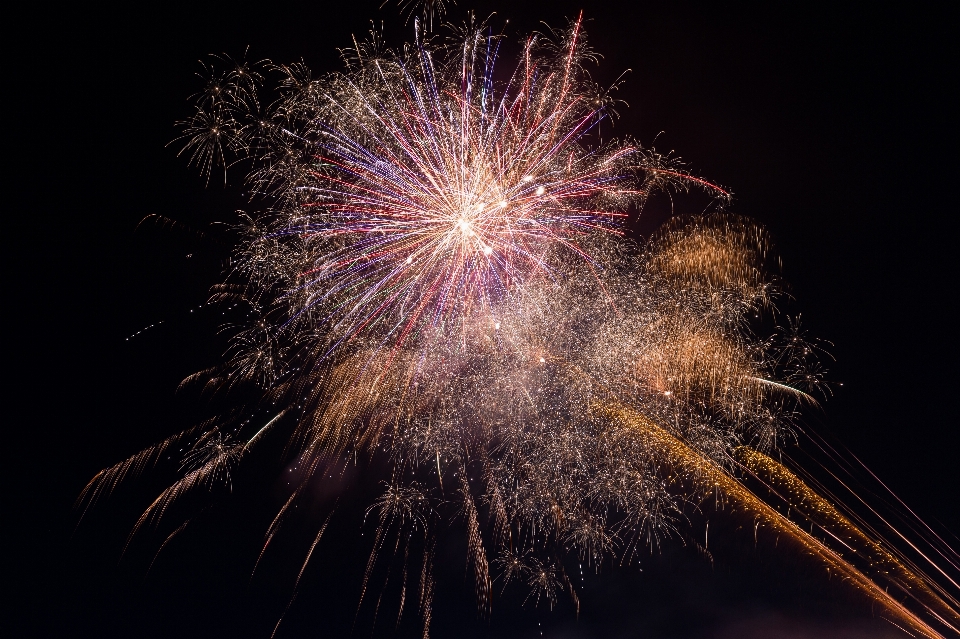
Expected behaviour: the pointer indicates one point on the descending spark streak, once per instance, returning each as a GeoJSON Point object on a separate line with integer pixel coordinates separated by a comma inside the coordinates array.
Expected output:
{"type": "Point", "coordinates": [266, 428]}
{"type": "Point", "coordinates": [303, 568]}
{"type": "Point", "coordinates": [817, 509]}
{"type": "Point", "coordinates": [107, 480]}
{"type": "Point", "coordinates": [710, 477]}
{"type": "Point", "coordinates": [946, 553]}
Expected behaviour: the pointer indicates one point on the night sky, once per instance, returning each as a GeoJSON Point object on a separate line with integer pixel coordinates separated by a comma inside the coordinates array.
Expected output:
{"type": "Point", "coordinates": [834, 127]}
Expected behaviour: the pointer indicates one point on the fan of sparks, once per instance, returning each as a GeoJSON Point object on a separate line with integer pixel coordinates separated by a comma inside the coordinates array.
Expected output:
{"type": "Point", "coordinates": [440, 278]}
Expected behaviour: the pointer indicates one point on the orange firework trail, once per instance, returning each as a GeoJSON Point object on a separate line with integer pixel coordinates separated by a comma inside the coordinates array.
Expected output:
{"type": "Point", "coordinates": [879, 560]}
{"type": "Point", "coordinates": [709, 477]}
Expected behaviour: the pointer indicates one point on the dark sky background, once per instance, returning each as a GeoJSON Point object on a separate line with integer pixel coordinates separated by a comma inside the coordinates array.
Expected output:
{"type": "Point", "coordinates": [835, 127]}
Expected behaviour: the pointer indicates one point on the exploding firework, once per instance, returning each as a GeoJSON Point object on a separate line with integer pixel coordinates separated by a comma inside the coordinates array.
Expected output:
{"type": "Point", "coordinates": [441, 279]}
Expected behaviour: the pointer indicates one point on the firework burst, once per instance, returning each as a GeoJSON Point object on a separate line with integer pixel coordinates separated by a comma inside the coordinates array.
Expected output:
{"type": "Point", "coordinates": [440, 278]}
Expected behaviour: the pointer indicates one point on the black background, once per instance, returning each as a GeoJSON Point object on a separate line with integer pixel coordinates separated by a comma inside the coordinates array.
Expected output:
{"type": "Point", "coordinates": [834, 126]}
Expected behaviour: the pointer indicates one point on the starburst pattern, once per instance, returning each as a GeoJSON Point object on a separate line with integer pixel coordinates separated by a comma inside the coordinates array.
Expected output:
{"type": "Point", "coordinates": [441, 280]}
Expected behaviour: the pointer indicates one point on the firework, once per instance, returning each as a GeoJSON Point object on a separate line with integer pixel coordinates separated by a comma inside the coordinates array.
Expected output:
{"type": "Point", "coordinates": [440, 278]}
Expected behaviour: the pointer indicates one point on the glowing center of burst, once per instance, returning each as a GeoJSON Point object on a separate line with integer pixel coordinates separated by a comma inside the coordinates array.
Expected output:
{"type": "Point", "coordinates": [466, 230]}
